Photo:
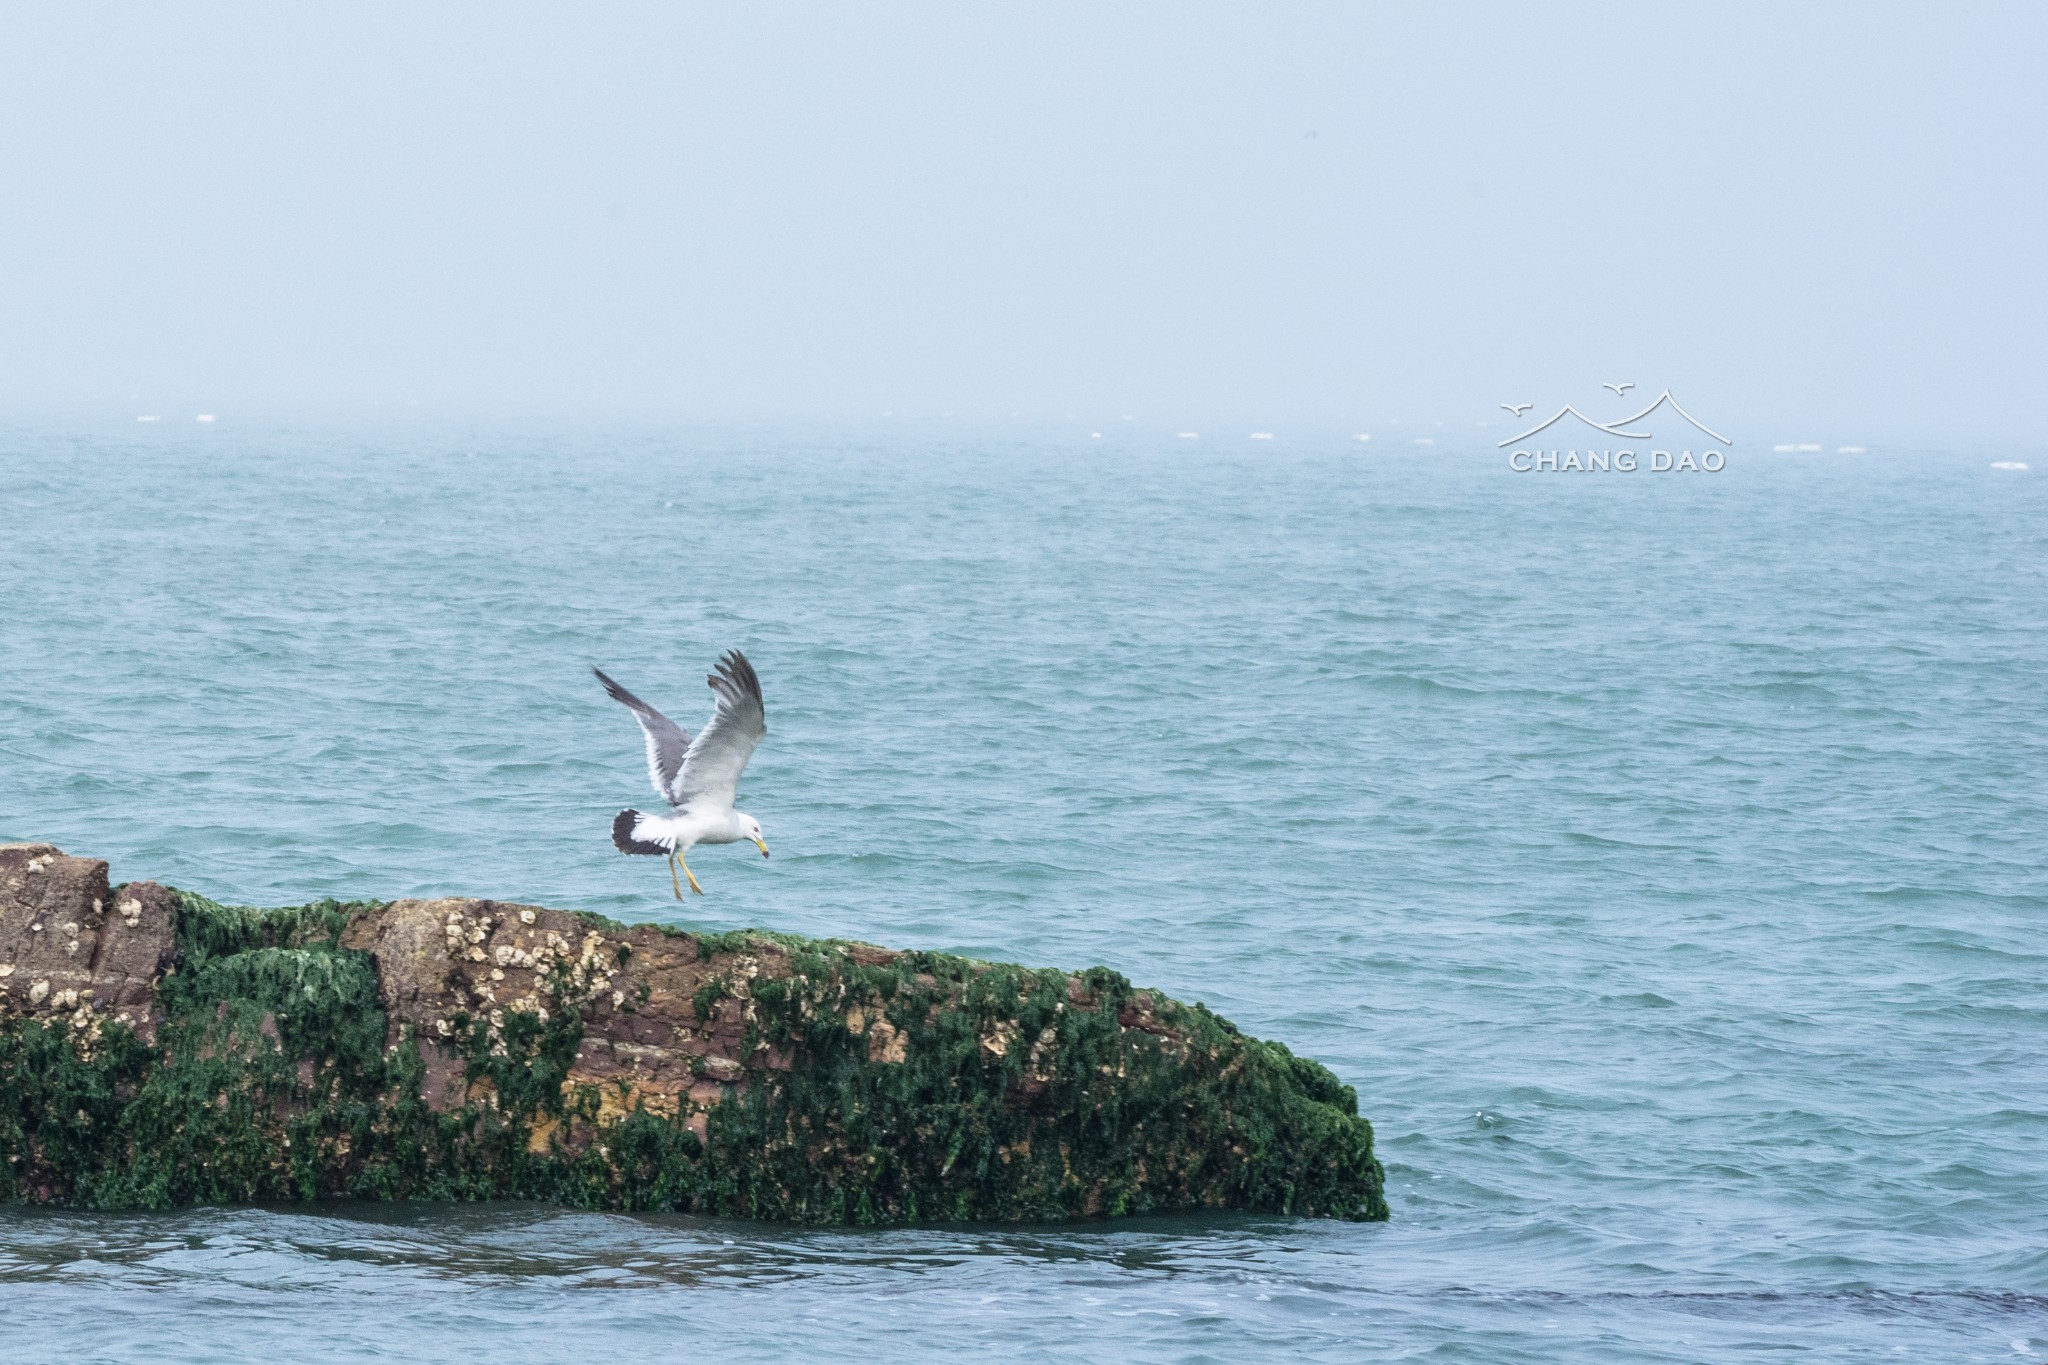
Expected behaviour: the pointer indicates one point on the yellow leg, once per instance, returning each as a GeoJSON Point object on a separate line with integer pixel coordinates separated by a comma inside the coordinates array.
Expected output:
{"type": "Point", "coordinates": [672, 876]}
{"type": "Point", "coordinates": [691, 875]}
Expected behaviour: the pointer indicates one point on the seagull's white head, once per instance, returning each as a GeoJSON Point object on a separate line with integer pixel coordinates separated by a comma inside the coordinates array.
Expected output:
{"type": "Point", "coordinates": [750, 828]}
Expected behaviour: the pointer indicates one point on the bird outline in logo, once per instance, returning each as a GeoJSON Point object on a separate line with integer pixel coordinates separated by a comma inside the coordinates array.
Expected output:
{"type": "Point", "coordinates": [1518, 408]}
{"type": "Point", "coordinates": [1620, 389]}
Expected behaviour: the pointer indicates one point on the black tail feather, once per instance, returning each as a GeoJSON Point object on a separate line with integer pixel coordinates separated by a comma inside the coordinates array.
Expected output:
{"type": "Point", "coordinates": [622, 836]}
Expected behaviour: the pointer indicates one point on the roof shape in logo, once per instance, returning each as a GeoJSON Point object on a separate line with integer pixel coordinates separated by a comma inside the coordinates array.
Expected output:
{"type": "Point", "coordinates": [1616, 428]}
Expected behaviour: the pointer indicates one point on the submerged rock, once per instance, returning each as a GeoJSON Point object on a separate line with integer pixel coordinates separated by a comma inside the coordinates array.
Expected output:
{"type": "Point", "coordinates": [158, 1049]}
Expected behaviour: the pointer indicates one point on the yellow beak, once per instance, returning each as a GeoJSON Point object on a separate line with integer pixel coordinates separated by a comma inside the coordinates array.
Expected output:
{"type": "Point", "coordinates": [761, 844]}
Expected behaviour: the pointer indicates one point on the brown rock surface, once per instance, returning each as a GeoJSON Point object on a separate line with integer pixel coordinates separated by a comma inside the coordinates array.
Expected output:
{"type": "Point", "coordinates": [72, 947]}
{"type": "Point", "coordinates": [637, 988]}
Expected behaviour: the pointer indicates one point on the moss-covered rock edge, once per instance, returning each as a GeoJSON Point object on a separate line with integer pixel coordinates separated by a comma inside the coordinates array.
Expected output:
{"type": "Point", "coordinates": [1018, 1094]}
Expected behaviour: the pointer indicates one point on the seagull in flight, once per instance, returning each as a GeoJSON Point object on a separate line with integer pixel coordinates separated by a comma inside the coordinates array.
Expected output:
{"type": "Point", "coordinates": [1620, 389]}
{"type": "Point", "coordinates": [698, 778]}
{"type": "Point", "coordinates": [1518, 408]}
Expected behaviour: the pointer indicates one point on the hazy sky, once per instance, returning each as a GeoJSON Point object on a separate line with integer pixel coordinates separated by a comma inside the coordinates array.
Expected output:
{"type": "Point", "coordinates": [1789, 214]}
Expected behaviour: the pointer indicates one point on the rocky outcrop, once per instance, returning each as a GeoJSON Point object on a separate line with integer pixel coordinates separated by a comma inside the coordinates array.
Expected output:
{"type": "Point", "coordinates": [159, 1049]}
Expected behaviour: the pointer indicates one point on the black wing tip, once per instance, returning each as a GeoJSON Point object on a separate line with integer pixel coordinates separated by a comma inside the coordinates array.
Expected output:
{"type": "Point", "coordinates": [736, 673]}
{"type": "Point", "coordinates": [622, 835]}
{"type": "Point", "coordinates": [616, 692]}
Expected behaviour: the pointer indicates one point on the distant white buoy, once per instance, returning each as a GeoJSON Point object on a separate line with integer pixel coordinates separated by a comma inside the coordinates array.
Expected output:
{"type": "Point", "coordinates": [1094, 435]}
{"type": "Point", "coordinates": [204, 417]}
{"type": "Point", "coordinates": [1363, 436]}
{"type": "Point", "coordinates": [2007, 464]}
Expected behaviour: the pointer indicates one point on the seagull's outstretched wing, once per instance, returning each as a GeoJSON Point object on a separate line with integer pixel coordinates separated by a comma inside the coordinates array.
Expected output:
{"type": "Point", "coordinates": [719, 754]}
{"type": "Point", "coordinates": [667, 742]}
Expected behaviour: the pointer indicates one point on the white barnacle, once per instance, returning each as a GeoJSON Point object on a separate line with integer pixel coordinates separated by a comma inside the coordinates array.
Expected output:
{"type": "Point", "coordinates": [38, 992]}
{"type": "Point", "coordinates": [526, 916]}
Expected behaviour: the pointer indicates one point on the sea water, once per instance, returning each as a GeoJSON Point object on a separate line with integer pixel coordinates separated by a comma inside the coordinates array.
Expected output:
{"type": "Point", "coordinates": [1661, 857]}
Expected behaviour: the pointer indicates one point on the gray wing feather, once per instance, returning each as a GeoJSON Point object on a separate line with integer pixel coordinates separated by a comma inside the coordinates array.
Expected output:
{"type": "Point", "coordinates": [667, 742]}
{"type": "Point", "coordinates": [719, 754]}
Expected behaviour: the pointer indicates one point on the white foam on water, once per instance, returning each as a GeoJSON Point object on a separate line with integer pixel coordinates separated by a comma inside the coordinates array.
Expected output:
{"type": "Point", "coordinates": [2007, 464]}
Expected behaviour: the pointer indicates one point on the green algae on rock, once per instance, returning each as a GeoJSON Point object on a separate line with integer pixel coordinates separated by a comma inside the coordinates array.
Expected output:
{"type": "Point", "coordinates": [158, 1049]}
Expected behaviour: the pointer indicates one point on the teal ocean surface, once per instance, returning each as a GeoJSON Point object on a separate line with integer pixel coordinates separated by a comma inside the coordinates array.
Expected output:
{"type": "Point", "coordinates": [1660, 856]}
